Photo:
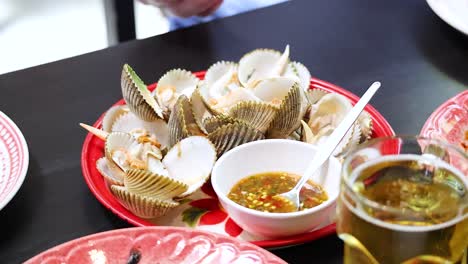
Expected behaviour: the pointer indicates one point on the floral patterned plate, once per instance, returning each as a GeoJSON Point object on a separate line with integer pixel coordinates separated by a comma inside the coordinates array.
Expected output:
{"type": "Point", "coordinates": [14, 159]}
{"type": "Point", "coordinates": [156, 245]}
{"type": "Point", "coordinates": [449, 122]}
{"type": "Point", "coordinates": [202, 211]}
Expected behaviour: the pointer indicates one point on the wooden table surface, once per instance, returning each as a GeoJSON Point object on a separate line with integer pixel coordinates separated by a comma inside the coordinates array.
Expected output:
{"type": "Point", "coordinates": [419, 59]}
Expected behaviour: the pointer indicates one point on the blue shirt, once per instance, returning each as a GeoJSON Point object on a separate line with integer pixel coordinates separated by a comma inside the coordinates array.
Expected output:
{"type": "Point", "coordinates": [227, 8]}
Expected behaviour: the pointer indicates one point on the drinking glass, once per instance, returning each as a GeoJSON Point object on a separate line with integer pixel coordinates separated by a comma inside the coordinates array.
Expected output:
{"type": "Point", "coordinates": [404, 199]}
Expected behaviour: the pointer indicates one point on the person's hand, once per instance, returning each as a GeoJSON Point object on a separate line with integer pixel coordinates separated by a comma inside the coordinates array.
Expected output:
{"type": "Point", "coordinates": [186, 8]}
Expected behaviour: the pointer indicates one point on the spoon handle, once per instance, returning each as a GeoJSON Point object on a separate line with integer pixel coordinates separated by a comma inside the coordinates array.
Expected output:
{"type": "Point", "coordinates": [332, 142]}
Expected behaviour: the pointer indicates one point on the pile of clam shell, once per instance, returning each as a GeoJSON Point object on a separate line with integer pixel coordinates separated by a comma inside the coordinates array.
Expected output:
{"type": "Point", "coordinates": [161, 145]}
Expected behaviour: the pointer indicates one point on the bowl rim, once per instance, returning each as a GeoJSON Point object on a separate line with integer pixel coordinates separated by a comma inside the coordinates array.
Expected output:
{"type": "Point", "coordinates": [223, 197]}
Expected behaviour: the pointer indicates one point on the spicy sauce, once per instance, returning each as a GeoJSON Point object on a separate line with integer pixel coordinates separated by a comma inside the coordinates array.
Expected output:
{"type": "Point", "coordinates": [258, 192]}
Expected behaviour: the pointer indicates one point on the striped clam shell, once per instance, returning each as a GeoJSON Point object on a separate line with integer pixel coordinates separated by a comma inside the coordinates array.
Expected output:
{"type": "Point", "coordinates": [256, 114]}
{"type": "Point", "coordinates": [138, 97]}
{"type": "Point", "coordinates": [142, 206]}
{"type": "Point", "coordinates": [146, 183]}
{"type": "Point", "coordinates": [289, 114]}
{"type": "Point", "coordinates": [232, 135]}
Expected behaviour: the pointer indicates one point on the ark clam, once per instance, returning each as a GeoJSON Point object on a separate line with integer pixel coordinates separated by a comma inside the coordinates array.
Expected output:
{"type": "Point", "coordinates": [138, 97]}
{"type": "Point", "coordinates": [142, 206]}
{"type": "Point", "coordinates": [113, 114]}
{"type": "Point", "coordinates": [232, 135]}
{"type": "Point", "coordinates": [173, 84]}
{"type": "Point", "coordinates": [156, 132]}
{"type": "Point", "coordinates": [262, 64]}
{"type": "Point", "coordinates": [190, 161]}
{"type": "Point", "coordinates": [182, 123]}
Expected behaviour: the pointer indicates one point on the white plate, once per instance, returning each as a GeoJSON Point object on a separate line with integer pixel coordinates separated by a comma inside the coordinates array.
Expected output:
{"type": "Point", "coordinates": [454, 12]}
{"type": "Point", "coordinates": [14, 159]}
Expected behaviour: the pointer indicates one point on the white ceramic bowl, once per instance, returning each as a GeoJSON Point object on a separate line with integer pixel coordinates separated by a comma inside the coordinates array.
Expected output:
{"type": "Point", "coordinates": [269, 156]}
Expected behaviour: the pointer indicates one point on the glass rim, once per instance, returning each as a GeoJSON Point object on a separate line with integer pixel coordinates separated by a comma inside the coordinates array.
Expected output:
{"type": "Point", "coordinates": [372, 204]}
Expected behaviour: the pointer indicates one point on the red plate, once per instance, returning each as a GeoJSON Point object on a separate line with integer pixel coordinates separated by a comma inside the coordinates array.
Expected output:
{"type": "Point", "coordinates": [155, 244]}
{"type": "Point", "coordinates": [203, 212]}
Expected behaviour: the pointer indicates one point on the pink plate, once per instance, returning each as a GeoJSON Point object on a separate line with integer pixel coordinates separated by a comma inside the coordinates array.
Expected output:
{"type": "Point", "coordinates": [156, 245]}
{"type": "Point", "coordinates": [203, 211]}
{"type": "Point", "coordinates": [14, 159]}
{"type": "Point", "coordinates": [449, 122]}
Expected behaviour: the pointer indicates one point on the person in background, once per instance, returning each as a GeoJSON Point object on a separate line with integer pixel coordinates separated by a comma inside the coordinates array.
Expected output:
{"type": "Point", "coordinates": [185, 13]}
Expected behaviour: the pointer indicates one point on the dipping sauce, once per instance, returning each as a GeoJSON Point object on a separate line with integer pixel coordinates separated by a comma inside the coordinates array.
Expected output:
{"type": "Point", "coordinates": [258, 192]}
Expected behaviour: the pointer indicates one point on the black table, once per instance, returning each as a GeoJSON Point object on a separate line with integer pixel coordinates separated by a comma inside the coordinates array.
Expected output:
{"type": "Point", "coordinates": [420, 60]}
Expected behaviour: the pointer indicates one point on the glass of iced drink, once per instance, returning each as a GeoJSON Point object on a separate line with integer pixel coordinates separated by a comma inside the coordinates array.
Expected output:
{"type": "Point", "coordinates": [404, 200]}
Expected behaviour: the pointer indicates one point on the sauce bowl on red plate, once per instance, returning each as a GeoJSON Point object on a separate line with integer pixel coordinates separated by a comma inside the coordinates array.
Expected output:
{"type": "Point", "coordinates": [275, 155]}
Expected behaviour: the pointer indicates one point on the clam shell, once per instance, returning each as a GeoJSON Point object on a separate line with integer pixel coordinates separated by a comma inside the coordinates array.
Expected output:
{"type": "Point", "coordinates": [204, 90]}
{"type": "Point", "coordinates": [257, 115]}
{"type": "Point", "coordinates": [261, 64]}
{"type": "Point", "coordinates": [119, 140]}
{"type": "Point", "coordinates": [289, 115]}
{"type": "Point", "coordinates": [182, 122]}
{"type": "Point", "coordinates": [111, 173]}
{"type": "Point", "coordinates": [190, 161]}
{"type": "Point", "coordinates": [130, 123]}
{"type": "Point", "coordinates": [215, 122]}
{"type": "Point", "coordinates": [314, 95]}
{"type": "Point", "coordinates": [145, 183]}
{"type": "Point", "coordinates": [138, 97]}
{"type": "Point", "coordinates": [172, 84]}
{"type": "Point", "coordinates": [112, 115]}
{"type": "Point", "coordinates": [298, 72]}
{"type": "Point", "coordinates": [365, 122]}
{"type": "Point", "coordinates": [142, 206]}
{"type": "Point", "coordinates": [155, 165]}
{"type": "Point", "coordinates": [219, 70]}
{"type": "Point", "coordinates": [307, 135]}
{"type": "Point", "coordinates": [329, 110]}
{"type": "Point", "coordinates": [199, 110]}
{"type": "Point", "coordinates": [273, 90]}
{"type": "Point", "coordinates": [232, 135]}
{"type": "Point", "coordinates": [350, 140]}
{"type": "Point", "coordinates": [225, 103]}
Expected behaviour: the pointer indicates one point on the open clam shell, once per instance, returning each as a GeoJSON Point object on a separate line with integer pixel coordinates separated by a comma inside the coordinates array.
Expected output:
{"type": "Point", "coordinates": [273, 90]}
{"type": "Point", "coordinates": [190, 161]}
{"type": "Point", "coordinates": [118, 146]}
{"type": "Point", "coordinates": [225, 103]}
{"type": "Point", "coordinates": [314, 95]}
{"type": "Point", "coordinates": [232, 135]}
{"type": "Point", "coordinates": [365, 122]}
{"type": "Point", "coordinates": [146, 183]}
{"type": "Point", "coordinates": [142, 206]}
{"type": "Point", "coordinates": [220, 70]}
{"type": "Point", "coordinates": [156, 131]}
{"type": "Point", "coordinates": [262, 64]}
{"type": "Point", "coordinates": [111, 173]}
{"type": "Point", "coordinates": [204, 91]}
{"type": "Point", "coordinates": [256, 114]}
{"type": "Point", "coordinates": [171, 85]}
{"type": "Point", "coordinates": [329, 110]}
{"type": "Point", "coordinates": [112, 115]}
{"type": "Point", "coordinates": [289, 114]}
{"type": "Point", "coordinates": [182, 122]}
{"type": "Point", "coordinates": [217, 121]}
{"type": "Point", "coordinates": [351, 139]}
{"type": "Point", "coordinates": [297, 71]}
{"type": "Point", "coordinates": [199, 109]}
{"type": "Point", "coordinates": [138, 97]}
